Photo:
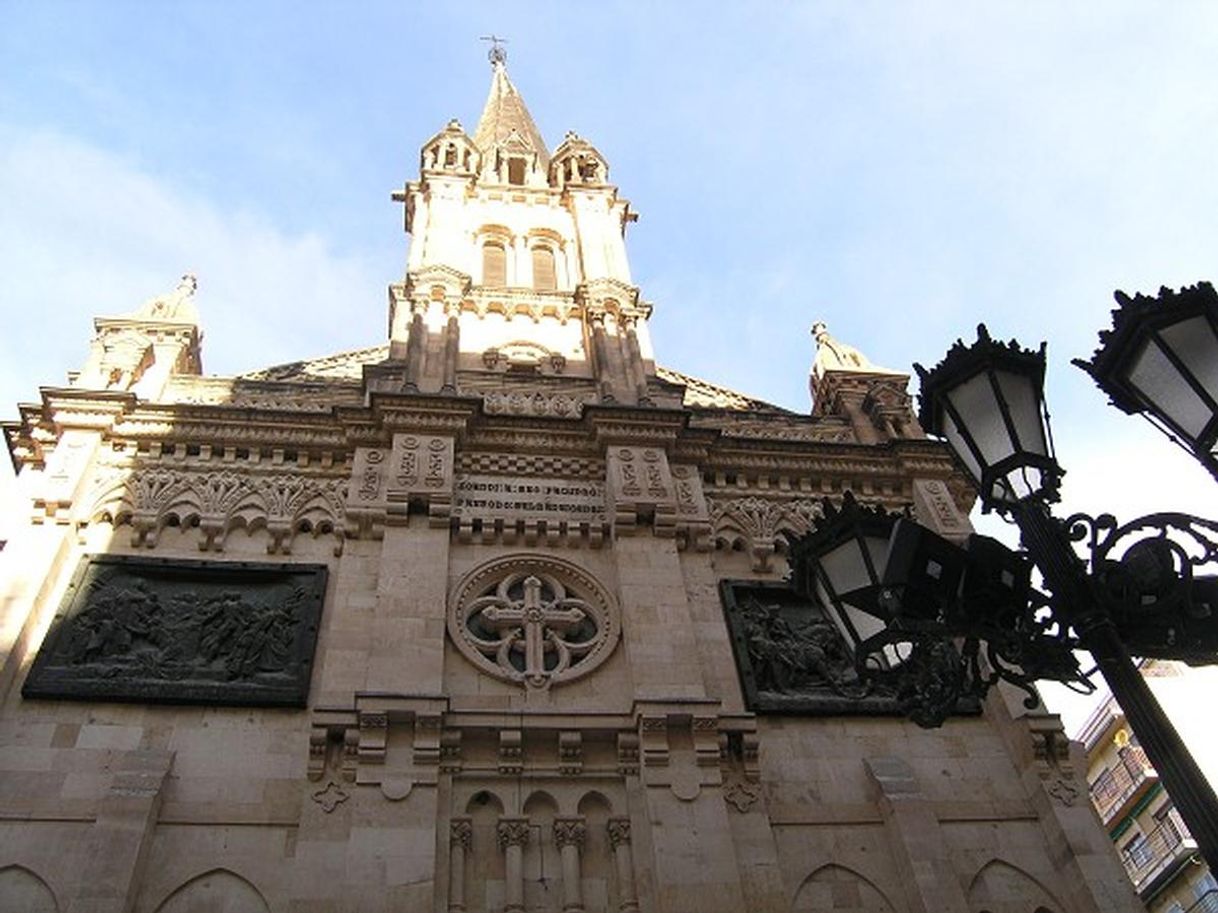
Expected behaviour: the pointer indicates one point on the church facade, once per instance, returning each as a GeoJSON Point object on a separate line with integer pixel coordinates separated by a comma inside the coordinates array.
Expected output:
{"type": "Point", "coordinates": [489, 617]}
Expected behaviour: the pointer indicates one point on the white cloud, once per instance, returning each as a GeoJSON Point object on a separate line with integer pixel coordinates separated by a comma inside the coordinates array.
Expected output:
{"type": "Point", "coordinates": [84, 232]}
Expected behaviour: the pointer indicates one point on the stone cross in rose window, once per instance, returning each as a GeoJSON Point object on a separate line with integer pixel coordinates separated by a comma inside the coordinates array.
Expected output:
{"type": "Point", "coordinates": [541, 622]}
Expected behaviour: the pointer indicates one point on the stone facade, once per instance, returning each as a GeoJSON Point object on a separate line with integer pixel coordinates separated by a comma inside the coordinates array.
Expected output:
{"type": "Point", "coordinates": [524, 693]}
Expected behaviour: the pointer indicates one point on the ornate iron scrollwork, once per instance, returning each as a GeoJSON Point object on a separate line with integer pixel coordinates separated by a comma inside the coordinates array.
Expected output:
{"type": "Point", "coordinates": [1147, 577]}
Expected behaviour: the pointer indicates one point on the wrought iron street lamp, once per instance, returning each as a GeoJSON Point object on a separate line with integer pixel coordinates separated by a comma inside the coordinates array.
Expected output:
{"type": "Point", "coordinates": [1136, 576]}
{"type": "Point", "coordinates": [936, 625]}
{"type": "Point", "coordinates": [1160, 359]}
{"type": "Point", "coordinates": [930, 623]}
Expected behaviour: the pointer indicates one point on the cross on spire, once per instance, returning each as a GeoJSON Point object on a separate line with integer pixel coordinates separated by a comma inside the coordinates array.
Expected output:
{"type": "Point", "coordinates": [497, 55]}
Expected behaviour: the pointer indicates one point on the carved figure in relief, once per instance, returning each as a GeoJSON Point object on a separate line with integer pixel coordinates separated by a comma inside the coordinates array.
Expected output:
{"type": "Point", "coordinates": [131, 627]}
{"type": "Point", "coordinates": [789, 657]}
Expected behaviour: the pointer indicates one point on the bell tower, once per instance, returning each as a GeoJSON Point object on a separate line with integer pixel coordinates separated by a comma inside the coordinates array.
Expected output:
{"type": "Point", "coordinates": [517, 262]}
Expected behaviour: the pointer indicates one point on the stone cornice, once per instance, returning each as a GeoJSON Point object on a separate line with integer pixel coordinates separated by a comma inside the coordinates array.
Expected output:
{"type": "Point", "coordinates": [634, 425]}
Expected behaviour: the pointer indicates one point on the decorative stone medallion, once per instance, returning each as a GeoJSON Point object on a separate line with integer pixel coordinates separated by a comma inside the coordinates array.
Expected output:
{"type": "Point", "coordinates": [533, 620]}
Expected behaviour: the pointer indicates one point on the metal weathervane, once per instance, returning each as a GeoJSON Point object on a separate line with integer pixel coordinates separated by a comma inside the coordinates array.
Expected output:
{"type": "Point", "coordinates": [497, 55]}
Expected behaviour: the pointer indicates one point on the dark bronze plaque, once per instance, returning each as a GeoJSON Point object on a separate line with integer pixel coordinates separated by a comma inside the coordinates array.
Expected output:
{"type": "Point", "coordinates": [197, 632]}
{"type": "Point", "coordinates": [790, 657]}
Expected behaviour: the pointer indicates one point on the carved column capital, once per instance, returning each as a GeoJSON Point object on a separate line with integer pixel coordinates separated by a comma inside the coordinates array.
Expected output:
{"type": "Point", "coordinates": [512, 832]}
{"type": "Point", "coordinates": [619, 831]}
{"type": "Point", "coordinates": [461, 832]}
{"type": "Point", "coordinates": [570, 832]}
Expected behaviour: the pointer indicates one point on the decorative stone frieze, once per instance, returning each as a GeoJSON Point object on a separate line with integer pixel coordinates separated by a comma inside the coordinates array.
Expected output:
{"type": "Point", "coordinates": [570, 753]}
{"type": "Point", "coordinates": [552, 405]}
{"type": "Point", "coordinates": [758, 523]}
{"type": "Point", "coordinates": [641, 489]}
{"type": "Point", "coordinates": [693, 525]}
{"type": "Point", "coordinates": [215, 502]}
{"type": "Point", "coordinates": [420, 471]}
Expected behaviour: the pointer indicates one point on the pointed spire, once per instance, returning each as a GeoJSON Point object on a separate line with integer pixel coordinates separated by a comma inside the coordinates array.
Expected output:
{"type": "Point", "coordinates": [505, 114]}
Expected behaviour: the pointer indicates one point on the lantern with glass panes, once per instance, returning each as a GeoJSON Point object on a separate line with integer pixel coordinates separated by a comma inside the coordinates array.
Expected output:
{"type": "Point", "coordinates": [943, 624]}
{"type": "Point", "coordinates": [1160, 360]}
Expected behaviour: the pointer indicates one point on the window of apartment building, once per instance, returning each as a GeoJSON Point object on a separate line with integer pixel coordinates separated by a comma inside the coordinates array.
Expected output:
{"type": "Point", "coordinates": [1138, 850]}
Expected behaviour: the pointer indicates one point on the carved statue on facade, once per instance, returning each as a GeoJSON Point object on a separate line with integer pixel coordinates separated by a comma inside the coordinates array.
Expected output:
{"type": "Point", "coordinates": [834, 355]}
{"type": "Point", "coordinates": [176, 305]}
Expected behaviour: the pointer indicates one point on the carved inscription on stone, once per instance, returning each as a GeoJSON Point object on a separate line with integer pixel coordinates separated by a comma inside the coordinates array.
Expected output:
{"type": "Point", "coordinates": [183, 632]}
{"type": "Point", "coordinates": [791, 658]}
{"type": "Point", "coordinates": [529, 498]}
{"type": "Point", "coordinates": [368, 475]}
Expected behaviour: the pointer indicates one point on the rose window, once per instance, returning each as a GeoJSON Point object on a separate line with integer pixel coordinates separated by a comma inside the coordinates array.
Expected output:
{"type": "Point", "coordinates": [534, 621]}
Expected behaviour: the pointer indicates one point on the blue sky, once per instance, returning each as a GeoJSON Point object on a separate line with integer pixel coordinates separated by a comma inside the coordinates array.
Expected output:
{"type": "Point", "coordinates": [899, 170]}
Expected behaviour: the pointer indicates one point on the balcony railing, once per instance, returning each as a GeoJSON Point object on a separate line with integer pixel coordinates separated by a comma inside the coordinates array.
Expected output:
{"type": "Point", "coordinates": [1147, 857]}
{"type": "Point", "coordinates": [1206, 903]}
{"type": "Point", "coordinates": [1112, 788]}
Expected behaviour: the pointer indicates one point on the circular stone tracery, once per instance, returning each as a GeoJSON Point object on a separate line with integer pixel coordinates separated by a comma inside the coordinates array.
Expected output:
{"type": "Point", "coordinates": [536, 621]}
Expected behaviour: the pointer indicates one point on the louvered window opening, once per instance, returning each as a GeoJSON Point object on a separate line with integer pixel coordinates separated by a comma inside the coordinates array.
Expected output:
{"type": "Point", "coordinates": [544, 279]}
{"type": "Point", "coordinates": [494, 265]}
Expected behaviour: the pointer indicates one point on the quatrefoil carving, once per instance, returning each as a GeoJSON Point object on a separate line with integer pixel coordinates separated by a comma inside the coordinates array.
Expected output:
{"type": "Point", "coordinates": [534, 621]}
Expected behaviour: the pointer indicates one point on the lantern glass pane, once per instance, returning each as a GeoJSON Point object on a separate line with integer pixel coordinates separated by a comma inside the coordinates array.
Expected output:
{"type": "Point", "coordinates": [1194, 343]}
{"type": "Point", "coordinates": [854, 624]}
{"type": "Point", "coordinates": [1023, 400]}
{"type": "Point", "coordinates": [846, 568]}
{"type": "Point", "coordinates": [977, 406]}
{"type": "Point", "coordinates": [956, 441]}
{"type": "Point", "coordinates": [1157, 379]}
{"type": "Point", "coordinates": [1021, 482]}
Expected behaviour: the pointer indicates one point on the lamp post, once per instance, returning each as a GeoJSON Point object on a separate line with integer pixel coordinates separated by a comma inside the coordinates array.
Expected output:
{"type": "Point", "coordinates": [936, 625]}
{"type": "Point", "coordinates": [986, 400]}
{"type": "Point", "coordinates": [1160, 359]}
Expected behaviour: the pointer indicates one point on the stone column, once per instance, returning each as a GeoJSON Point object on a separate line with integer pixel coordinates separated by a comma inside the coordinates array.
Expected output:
{"type": "Point", "coordinates": [864, 430]}
{"type": "Point", "coordinates": [619, 839]}
{"type": "Point", "coordinates": [414, 346]}
{"type": "Point", "coordinates": [460, 833]}
{"type": "Point", "coordinates": [520, 272]}
{"type": "Point", "coordinates": [452, 346]}
{"type": "Point", "coordinates": [634, 360]}
{"type": "Point", "coordinates": [600, 352]}
{"type": "Point", "coordinates": [569, 836]}
{"type": "Point", "coordinates": [513, 834]}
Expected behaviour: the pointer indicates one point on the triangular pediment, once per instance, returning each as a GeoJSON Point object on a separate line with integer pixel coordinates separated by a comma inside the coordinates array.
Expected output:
{"type": "Point", "coordinates": [349, 366]}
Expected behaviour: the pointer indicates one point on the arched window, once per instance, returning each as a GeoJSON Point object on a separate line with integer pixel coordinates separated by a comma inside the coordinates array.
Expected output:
{"type": "Point", "coordinates": [544, 279]}
{"type": "Point", "coordinates": [494, 264]}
